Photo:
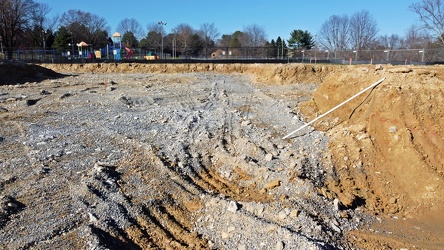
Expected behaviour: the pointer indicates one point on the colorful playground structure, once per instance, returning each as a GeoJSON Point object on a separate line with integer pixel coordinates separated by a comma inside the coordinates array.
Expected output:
{"type": "Point", "coordinates": [115, 50]}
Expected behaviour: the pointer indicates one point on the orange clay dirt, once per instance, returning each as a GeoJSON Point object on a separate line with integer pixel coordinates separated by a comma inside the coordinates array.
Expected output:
{"type": "Point", "coordinates": [385, 149]}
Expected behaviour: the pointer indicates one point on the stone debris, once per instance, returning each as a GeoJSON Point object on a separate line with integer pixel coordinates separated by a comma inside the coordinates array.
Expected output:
{"type": "Point", "coordinates": [272, 184]}
{"type": "Point", "coordinates": [232, 206]}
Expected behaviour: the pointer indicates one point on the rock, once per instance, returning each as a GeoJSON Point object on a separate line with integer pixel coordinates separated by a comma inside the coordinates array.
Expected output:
{"type": "Point", "coordinates": [233, 206]}
{"type": "Point", "coordinates": [225, 235]}
{"type": "Point", "coordinates": [280, 245]}
{"type": "Point", "coordinates": [241, 247]}
{"type": "Point", "coordinates": [392, 129]}
{"type": "Point", "coordinates": [273, 184]}
{"type": "Point", "coordinates": [334, 227]}
{"type": "Point", "coordinates": [282, 215]}
{"type": "Point", "coordinates": [45, 92]}
{"type": "Point", "coordinates": [347, 199]}
{"type": "Point", "coordinates": [268, 157]}
{"type": "Point", "coordinates": [337, 204]}
{"type": "Point", "coordinates": [245, 123]}
{"type": "Point", "coordinates": [294, 213]}
{"type": "Point", "coordinates": [378, 67]}
{"type": "Point", "coordinates": [92, 217]}
{"type": "Point", "coordinates": [392, 200]}
{"type": "Point", "coordinates": [260, 210]}
{"type": "Point", "coordinates": [344, 214]}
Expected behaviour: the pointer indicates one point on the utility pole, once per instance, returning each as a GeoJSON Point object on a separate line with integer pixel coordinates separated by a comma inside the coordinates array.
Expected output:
{"type": "Point", "coordinates": [335, 40]}
{"type": "Point", "coordinates": [1, 45]}
{"type": "Point", "coordinates": [44, 44]}
{"type": "Point", "coordinates": [161, 35]}
{"type": "Point", "coordinates": [174, 44]}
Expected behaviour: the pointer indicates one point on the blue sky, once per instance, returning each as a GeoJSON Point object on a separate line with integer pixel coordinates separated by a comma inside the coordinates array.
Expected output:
{"type": "Point", "coordinates": [278, 18]}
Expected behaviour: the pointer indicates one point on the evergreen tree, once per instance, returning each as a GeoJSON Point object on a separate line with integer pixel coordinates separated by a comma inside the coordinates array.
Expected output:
{"type": "Point", "coordinates": [62, 39]}
{"type": "Point", "coordinates": [130, 40]}
{"type": "Point", "coordinates": [272, 51]}
{"type": "Point", "coordinates": [300, 40]}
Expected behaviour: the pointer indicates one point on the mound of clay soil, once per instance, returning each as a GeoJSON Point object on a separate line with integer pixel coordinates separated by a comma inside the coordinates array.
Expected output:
{"type": "Point", "coordinates": [386, 148]}
{"type": "Point", "coordinates": [18, 72]}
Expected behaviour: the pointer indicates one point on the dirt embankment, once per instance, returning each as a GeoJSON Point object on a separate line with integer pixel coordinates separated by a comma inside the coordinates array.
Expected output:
{"type": "Point", "coordinates": [386, 147]}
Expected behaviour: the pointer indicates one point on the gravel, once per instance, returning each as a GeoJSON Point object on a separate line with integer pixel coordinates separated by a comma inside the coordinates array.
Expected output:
{"type": "Point", "coordinates": [158, 161]}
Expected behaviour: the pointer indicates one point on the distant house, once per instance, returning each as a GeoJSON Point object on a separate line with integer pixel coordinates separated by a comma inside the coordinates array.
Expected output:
{"type": "Point", "coordinates": [217, 54]}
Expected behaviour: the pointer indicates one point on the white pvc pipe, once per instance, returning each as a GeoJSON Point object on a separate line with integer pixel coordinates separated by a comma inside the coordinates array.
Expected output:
{"type": "Point", "coordinates": [331, 110]}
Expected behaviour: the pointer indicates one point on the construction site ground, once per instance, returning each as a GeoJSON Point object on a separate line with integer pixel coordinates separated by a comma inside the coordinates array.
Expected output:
{"type": "Point", "coordinates": [191, 156]}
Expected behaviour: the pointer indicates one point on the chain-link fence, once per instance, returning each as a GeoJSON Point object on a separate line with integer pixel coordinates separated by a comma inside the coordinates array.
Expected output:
{"type": "Point", "coordinates": [398, 56]}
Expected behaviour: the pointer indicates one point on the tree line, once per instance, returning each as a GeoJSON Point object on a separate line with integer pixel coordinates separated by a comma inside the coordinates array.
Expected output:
{"type": "Point", "coordinates": [25, 24]}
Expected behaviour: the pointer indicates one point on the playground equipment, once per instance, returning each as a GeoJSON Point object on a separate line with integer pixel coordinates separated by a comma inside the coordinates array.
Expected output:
{"type": "Point", "coordinates": [115, 50]}
{"type": "Point", "coordinates": [84, 51]}
{"type": "Point", "coordinates": [152, 56]}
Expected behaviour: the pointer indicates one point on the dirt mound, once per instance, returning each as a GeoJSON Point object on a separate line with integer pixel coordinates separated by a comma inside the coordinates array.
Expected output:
{"type": "Point", "coordinates": [264, 73]}
{"type": "Point", "coordinates": [386, 147]}
{"type": "Point", "coordinates": [19, 72]}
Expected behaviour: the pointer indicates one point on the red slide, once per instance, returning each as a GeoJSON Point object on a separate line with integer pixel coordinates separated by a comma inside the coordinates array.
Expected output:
{"type": "Point", "coordinates": [129, 52]}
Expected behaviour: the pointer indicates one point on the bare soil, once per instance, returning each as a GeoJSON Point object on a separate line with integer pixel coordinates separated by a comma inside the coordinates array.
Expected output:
{"type": "Point", "coordinates": [383, 156]}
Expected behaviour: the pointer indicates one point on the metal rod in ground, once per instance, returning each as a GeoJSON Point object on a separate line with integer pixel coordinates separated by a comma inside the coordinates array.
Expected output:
{"type": "Point", "coordinates": [331, 110]}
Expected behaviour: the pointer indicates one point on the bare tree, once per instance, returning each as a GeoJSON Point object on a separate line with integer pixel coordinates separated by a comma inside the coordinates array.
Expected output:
{"type": "Point", "coordinates": [42, 27]}
{"type": "Point", "coordinates": [130, 25]}
{"type": "Point", "coordinates": [184, 36]}
{"type": "Point", "coordinates": [253, 36]}
{"type": "Point", "coordinates": [390, 42]}
{"type": "Point", "coordinates": [87, 27]}
{"type": "Point", "coordinates": [431, 14]}
{"type": "Point", "coordinates": [334, 34]}
{"type": "Point", "coordinates": [156, 28]}
{"type": "Point", "coordinates": [15, 16]}
{"type": "Point", "coordinates": [415, 38]}
{"type": "Point", "coordinates": [209, 33]}
{"type": "Point", "coordinates": [363, 30]}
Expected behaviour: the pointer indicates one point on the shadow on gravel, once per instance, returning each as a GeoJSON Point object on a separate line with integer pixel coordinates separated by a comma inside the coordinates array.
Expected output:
{"type": "Point", "coordinates": [111, 242]}
{"type": "Point", "coordinates": [8, 207]}
{"type": "Point", "coordinates": [15, 72]}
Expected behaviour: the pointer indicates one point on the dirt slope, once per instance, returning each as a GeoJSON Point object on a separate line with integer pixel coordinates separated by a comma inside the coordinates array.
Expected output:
{"type": "Point", "coordinates": [387, 146]}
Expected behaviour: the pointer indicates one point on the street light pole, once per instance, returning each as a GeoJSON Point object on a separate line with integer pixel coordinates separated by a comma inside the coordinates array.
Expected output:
{"type": "Point", "coordinates": [315, 47]}
{"type": "Point", "coordinates": [174, 44]}
{"type": "Point", "coordinates": [72, 46]}
{"type": "Point", "coordinates": [335, 39]}
{"type": "Point", "coordinates": [1, 45]}
{"type": "Point", "coordinates": [44, 44]}
{"type": "Point", "coordinates": [161, 35]}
